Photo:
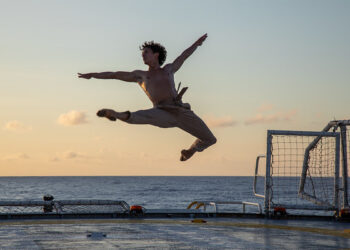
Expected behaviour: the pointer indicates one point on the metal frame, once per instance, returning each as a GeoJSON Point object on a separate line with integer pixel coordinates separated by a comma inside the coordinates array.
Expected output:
{"type": "Point", "coordinates": [311, 198]}
{"type": "Point", "coordinates": [268, 182]}
{"type": "Point", "coordinates": [257, 175]}
{"type": "Point", "coordinates": [335, 125]}
{"type": "Point", "coordinates": [345, 166]}
{"type": "Point", "coordinates": [215, 204]}
{"type": "Point", "coordinates": [59, 205]}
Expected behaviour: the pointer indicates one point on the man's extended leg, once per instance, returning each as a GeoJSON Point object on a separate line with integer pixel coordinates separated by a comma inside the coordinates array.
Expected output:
{"type": "Point", "coordinates": [185, 119]}
{"type": "Point", "coordinates": [154, 116]}
{"type": "Point", "coordinates": [194, 125]}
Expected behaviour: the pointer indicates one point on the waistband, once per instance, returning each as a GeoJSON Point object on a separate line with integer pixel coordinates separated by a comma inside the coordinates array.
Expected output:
{"type": "Point", "coordinates": [173, 105]}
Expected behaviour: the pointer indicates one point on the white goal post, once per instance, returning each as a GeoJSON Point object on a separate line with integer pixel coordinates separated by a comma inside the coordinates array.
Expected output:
{"type": "Point", "coordinates": [302, 170]}
{"type": "Point", "coordinates": [342, 126]}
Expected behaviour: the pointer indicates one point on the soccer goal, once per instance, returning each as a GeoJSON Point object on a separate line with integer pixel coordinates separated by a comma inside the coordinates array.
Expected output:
{"type": "Point", "coordinates": [302, 170]}
{"type": "Point", "coordinates": [343, 127]}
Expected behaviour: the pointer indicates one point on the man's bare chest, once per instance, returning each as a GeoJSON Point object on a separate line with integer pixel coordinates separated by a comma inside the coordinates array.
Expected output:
{"type": "Point", "coordinates": [160, 80]}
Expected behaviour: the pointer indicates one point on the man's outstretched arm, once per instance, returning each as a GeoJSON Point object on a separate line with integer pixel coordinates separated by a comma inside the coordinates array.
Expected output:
{"type": "Point", "coordinates": [176, 65]}
{"type": "Point", "coordinates": [134, 76]}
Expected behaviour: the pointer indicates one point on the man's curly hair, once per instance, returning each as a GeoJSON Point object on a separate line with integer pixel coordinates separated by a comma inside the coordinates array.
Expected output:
{"type": "Point", "coordinates": [156, 48]}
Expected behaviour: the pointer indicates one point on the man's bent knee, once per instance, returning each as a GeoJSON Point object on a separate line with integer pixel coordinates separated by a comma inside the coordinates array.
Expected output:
{"type": "Point", "coordinates": [212, 140]}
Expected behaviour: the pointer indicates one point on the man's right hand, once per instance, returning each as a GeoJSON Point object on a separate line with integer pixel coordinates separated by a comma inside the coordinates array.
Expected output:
{"type": "Point", "coordinates": [201, 39]}
{"type": "Point", "coordinates": [86, 76]}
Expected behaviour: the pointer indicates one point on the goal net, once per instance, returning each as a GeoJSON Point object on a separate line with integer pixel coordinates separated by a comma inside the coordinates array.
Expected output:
{"type": "Point", "coordinates": [302, 170]}
{"type": "Point", "coordinates": [342, 126]}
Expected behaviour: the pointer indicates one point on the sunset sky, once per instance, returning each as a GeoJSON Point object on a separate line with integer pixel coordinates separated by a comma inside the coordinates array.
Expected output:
{"type": "Point", "coordinates": [265, 65]}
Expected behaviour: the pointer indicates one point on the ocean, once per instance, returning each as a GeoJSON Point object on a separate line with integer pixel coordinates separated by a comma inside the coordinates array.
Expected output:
{"type": "Point", "coordinates": [148, 191]}
{"type": "Point", "coordinates": [154, 192]}
{"type": "Point", "coordinates": [159, 192]}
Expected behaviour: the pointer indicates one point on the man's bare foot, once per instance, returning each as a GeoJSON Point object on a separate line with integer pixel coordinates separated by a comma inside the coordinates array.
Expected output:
{"type": "Point", "coordinates": [108, 113]}
{"type": "Point", "coordinates": [113, 115]}
{"type": "Point", "coordinates": [186, 154]}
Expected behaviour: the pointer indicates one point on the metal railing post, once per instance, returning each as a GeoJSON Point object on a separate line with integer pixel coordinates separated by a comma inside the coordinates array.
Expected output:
{"type": "Point", "coordinates": [336, 174]}
{"type": "Point", "coordinates": [268, 177]}
{"type": "Point", "coordinates": [345, 165]}
{"type": "Point", "coordinates": [256, 176]}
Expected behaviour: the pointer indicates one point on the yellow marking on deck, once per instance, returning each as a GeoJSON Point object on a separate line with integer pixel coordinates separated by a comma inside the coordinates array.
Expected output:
{"type": "Point", "coordinates": [331, 232]}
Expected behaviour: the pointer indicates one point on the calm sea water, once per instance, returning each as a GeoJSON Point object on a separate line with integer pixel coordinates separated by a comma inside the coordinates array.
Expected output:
{"type": "Point", "coordinates": [150, 192]}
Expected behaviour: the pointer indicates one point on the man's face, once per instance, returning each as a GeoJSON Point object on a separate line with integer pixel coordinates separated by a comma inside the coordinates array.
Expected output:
{"type": "Point", "coordinates": [148, 56]}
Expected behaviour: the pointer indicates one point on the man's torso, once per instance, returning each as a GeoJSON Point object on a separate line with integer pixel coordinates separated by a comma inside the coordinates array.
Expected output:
{"type": "Point", "coordinates": [159, 85]}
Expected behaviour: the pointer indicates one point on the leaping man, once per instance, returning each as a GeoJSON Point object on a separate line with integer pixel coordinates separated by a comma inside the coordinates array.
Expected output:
{"type": "Point", "coordinates": [158, 83]}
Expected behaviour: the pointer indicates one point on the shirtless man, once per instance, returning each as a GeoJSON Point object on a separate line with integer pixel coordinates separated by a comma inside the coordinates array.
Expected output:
{"type": "Point", "coordinates": [158, 84]}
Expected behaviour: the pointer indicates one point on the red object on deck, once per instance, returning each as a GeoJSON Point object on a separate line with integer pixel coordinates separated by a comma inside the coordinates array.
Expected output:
{"type": "Point", "coordinates": [136, 209]}
{"type": "Point", "coordinates": [345, 213]}
{"type": "Point", "coordinates": [279, 211]}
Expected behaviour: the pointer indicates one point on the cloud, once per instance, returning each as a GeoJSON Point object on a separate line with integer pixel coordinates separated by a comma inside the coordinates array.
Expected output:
{"type": "Point", "coordinates": [72, 118]}
{"type": "Point", "coordinates": [68, 155]}
{"type": "Point", "coordinates": [216, 122]}
{"type": "Point", "coordinates": [55, 159]}
{"type": "Point", "coordinates": [269, 118]}
{"type": "Point", "coordinates": [73, 155]}
{"type": "Point", "coordinates": [18, 156]}
{"type": "Point", "coordinates": [265, 107]}
{"type": "Point", "coordinates": [16, 126]}
{"type": "Point", "coordinates": [290, 115]}
{"type": "Point", "coordinates": [144, 155]}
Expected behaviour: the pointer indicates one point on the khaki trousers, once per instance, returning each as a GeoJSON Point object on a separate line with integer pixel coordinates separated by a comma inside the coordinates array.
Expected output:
{"type": "Point", "coordinates": [169, 116]}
